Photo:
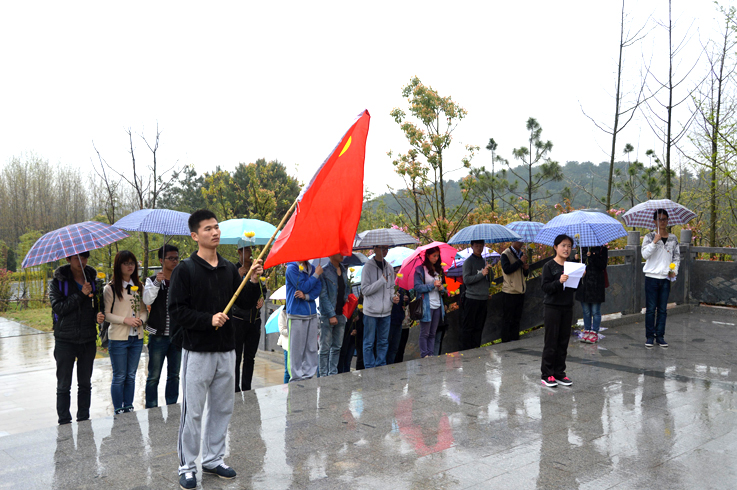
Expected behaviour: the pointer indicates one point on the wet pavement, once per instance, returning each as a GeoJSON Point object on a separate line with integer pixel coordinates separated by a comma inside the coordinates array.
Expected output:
{"type": "Point", "coordinates": [635, 418]}
{"type": "Point", "coordinates": [28, 380]}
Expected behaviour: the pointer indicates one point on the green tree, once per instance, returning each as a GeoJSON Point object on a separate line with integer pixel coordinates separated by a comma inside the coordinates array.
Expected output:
{"type": "Point", "coordinates": [536, 170]}
{"type": "Point", "coordinates": [430, 135]}
{"type": "Point", "coordinates": [266, 190]}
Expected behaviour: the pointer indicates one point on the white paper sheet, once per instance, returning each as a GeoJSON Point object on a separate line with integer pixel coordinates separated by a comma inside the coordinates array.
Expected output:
{"type": "Point", "coordinates": [574, 271]}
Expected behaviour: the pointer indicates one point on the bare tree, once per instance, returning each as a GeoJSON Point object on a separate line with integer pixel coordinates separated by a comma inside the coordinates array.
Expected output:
{"type": "Point", "coordinates": [624, 111]}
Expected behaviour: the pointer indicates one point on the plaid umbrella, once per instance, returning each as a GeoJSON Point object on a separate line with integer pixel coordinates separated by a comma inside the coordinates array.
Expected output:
{"type": "Point", "coordinates": [390, 237]}
{"type": "Point", "coordinates": [162, 221]}
{"type": "Point", "coordinates": [528, 230]}
{"type": "Point", "coordinates": [489, 233]}
{"type": "Point", "coordinates": [642, 214]}
{"type": "Point", "coordinates": [71, 240]}
{"type": "Point", "coordinates": [593, 229]}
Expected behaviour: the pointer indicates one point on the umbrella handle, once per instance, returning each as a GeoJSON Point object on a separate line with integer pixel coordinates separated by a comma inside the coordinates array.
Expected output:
{"type": "Point", "coordinates": [83, 274]}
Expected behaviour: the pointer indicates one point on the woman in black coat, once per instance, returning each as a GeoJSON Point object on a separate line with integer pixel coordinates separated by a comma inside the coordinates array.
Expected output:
{"type": "Point", "coordinates": [591, 291]}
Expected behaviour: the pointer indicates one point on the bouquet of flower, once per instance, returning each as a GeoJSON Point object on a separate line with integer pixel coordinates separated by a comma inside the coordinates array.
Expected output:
{"type": "Point", "coordinates": [135, 302]}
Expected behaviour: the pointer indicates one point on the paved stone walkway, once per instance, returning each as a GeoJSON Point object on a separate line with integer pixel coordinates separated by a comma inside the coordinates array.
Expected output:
{"type": "Point", "coordinates": [635, 418]}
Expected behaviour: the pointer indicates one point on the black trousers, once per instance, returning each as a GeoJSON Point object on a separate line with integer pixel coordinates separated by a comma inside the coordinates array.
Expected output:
{"type": "Point", "coordinates": [511, 316]}
{"type": "Point", "coordinates": [473, 319]}
{"type": "Point", "coordinates": [557, 333]}
{"type": "Point", "coordinates": [399, 356]}
{"type": "Point", "coordinates": [66, 353]}
{"type": "Point", "coordinates": [247, 337]}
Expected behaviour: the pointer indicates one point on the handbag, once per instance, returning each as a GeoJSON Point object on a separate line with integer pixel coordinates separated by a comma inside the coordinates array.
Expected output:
{"type": "Point", "coordinates": [350, 305]}
{"type": "Point", "coordinates": [415, 308]}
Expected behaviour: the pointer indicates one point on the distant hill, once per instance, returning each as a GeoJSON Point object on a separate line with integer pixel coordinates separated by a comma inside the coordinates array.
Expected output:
{"type": "Point", "coordinates": [577, 177]}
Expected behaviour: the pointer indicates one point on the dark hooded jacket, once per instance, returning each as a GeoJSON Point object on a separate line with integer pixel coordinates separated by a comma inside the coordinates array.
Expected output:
{"type": "Point", "coordinates": [76, 313]}
{"type": "Point", "coordinates": [591, 289]}
{"type": "Point", "coordinates": [198, 291]}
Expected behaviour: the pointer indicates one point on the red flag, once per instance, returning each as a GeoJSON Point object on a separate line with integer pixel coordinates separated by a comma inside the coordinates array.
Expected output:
{"type": "Point", "coordinates": [329, 208]}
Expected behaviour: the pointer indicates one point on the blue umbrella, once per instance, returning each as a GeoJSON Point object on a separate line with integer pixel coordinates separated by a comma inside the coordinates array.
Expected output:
{"type": "Point", "coordinates": [162, 221]}
{"type": "Point", "coordinates": [593, 229]}
{"type": "Point", "coordinates": [232, 231]}
{"type": "Point", "coordinates": [489, 233]}
{"type": "Point", "coordinates": [272, 324]}
{"type": "Point", "coordinates": [396, 255]}
{"type": "Point", "coordinates": [528, 230]}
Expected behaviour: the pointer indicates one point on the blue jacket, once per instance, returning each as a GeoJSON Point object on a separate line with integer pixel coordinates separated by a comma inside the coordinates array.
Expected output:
{"type": "Point", "coordinates": [420, 289]}
{"type": "Point", "coordinates": [307, 283]}
{"type": "Point", "coordinates": [329, 293]}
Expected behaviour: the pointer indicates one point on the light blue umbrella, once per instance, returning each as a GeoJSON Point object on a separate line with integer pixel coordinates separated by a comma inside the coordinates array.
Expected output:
{"type": "Point", "coordinates": [396, 255]}
{"type": "Point", "coordinates": [162, 221]}
{"type": "Point", "coordinates": [528, 230]}
{"type": "Point", "coordinates": [489, 233]}
{"type": "Point", "coordinates": [272, 324]}
{"type": "Point", "coordinates": [593, 229]}
{"type": "Point", "coordinates": [232, 230]}
{"type": "Point", "coordinates": [456, 269]}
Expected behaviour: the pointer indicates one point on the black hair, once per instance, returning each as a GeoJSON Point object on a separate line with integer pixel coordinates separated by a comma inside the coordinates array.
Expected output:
{"type": "Point", "coordinates": [167, 248]}
{"type": "Point", "coordinates": [86, 255]}
{"type": "Point", "coordinates": [660, 211]}
{"type": "Point", "coordinates": [561, 238]}
{"type": "Point", "coordinates": [474, 242]}
{"type": "Point", "coordinates": [117, 280]}
{"type": "Point", "coordinates": [198, 217]}
{"type": "Point", "coordinates": [436, 270]}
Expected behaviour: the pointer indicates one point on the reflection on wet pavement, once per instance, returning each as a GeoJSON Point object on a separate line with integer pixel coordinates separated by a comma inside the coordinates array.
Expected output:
{"type": "Point", "coordinates": [479, 419]}
{"type": "Point", "coordinates": [28, 380]}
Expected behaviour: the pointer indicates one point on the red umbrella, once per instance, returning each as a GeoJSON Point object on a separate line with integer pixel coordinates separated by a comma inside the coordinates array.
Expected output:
{"type": "Point", "coordinates": [407, 271]}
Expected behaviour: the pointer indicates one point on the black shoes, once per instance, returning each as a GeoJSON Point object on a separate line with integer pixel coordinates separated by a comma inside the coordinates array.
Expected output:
{"type": "Point", "coordinates": [222, 470]}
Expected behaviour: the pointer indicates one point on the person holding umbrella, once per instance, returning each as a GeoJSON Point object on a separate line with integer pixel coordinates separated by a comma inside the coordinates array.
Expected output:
{"type": "Point", "coordinates": [428, 282]}
{"type": "Point", "coordinates": [477, 276]}
{"type": "Point", "coordinates": [662, 258]}
{"type": "Point", "coordinates": [591, 291]}
{"type": "Point", "coordinates": [514, 270]}
{"type": "Point", "coordinates": [75, 333]}
{"type": "Point", "coordinates": [377, 287]}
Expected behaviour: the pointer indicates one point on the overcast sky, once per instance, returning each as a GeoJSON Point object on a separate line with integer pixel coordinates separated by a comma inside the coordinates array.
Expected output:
{"type": "Point", "coordinates": [232, 82]}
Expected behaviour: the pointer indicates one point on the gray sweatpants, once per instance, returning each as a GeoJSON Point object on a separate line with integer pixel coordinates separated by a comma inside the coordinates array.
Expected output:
{"type": "Point", "coordinates": [302, 346]}
{"type": "Point", "coordinates": [206, 377]}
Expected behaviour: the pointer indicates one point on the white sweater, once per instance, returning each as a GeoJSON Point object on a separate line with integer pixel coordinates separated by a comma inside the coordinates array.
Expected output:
{"type": "Point", "coordinates": [659, 257]}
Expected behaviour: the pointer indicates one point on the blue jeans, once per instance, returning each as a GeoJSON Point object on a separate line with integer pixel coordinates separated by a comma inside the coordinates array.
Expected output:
{"type": "Point", "coordinates": [331, 338]}
{"type": "Point", "coordinates": [375, 331]}
{"type": "Point", "coordinates": [160, 348]}
{"type": "Point", "coordinates": [286, 366]}
{"type": "Point", "coordinates": [124, 357]}
{"type": "Point", "coordinates": [427, 333]}
{"type": "Point", "coordinates": [591, 316]}
{"type": "Point", "coordinates": [656, 298]}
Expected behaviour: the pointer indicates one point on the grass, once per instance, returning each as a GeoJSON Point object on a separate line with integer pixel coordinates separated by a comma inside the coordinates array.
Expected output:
{"type": "Point", "coordinates": [38, 318]}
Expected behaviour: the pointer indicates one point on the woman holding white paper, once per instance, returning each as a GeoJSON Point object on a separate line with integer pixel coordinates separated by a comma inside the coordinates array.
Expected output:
{"type": "Point", "coordinates": [558, 314]}
{"type": "Point", "coordinates": [591, 291]}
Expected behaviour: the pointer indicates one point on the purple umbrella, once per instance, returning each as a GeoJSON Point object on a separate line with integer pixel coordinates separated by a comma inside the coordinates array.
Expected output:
{"type": "Point", "coordinates": [71, 240]}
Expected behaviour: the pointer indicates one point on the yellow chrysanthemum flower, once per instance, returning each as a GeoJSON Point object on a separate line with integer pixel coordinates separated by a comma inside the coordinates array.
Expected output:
{"type": "Point", "coordinates": [360, 307]}
{"type": "Point", "coordinates": [101, 275]}
{"type": "Point", "coordinates": [301, 268]}
{"type": "Point", "coordinates": [262, 279]}
{"type": "Point", "coordinates": [352, 269]}
{"type": "Point", "coordinates": [400, 275]}
{"type": "Point", "coordinates": [134, 288]}
{"type": "Point", "coordinates": [249, 234]}
{"type": "Point", "coordinates": [672, 266]}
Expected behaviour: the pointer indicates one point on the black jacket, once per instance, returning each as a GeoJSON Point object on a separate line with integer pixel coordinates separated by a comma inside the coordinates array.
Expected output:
{"type": "Point", "coordinates": [198, 291]}
{"type": "Point", "coordinates": [591, 288]}
{"type": "Point", "coordinates": [252, 316]}
{"type": "Point", "coordinates": [555, 295]}
{"type": "Point", "coordinates": [76, 313]}
{"type": "Point", "coordinates": [157, 315]}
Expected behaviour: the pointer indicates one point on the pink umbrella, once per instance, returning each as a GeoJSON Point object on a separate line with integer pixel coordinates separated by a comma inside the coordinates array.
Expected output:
{"type": "Point", "coordinates": [407, 281]}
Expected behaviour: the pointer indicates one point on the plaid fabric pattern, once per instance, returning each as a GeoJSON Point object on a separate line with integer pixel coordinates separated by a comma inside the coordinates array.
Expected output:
{"type": "Point", "coordinates": [594, 229]}
{"type": "Point", "coordinates": [72, 240]}
{"type": "Point", "coordinates": [383, 236]}
{"type": "Point", "coordinates": [162, 221]}
{"type": "Point", "coordinates": [489, 233]}
{"type": "Point", "coordinates": [641, 215]}
{"type": "Point", "coordinates": [528, 230]}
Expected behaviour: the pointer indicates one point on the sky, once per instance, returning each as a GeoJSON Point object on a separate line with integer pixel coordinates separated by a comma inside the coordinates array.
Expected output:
{"type": "Point", "coordinates": [231, 82]}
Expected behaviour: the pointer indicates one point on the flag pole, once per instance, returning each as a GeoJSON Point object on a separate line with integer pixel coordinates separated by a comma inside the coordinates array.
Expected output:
{"type": "Point", "coordinates": [260, 256]}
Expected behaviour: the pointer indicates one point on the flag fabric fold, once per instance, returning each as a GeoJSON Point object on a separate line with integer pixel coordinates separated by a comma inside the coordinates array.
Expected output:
{"type": "Point", "coordinates": [329, 207]}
